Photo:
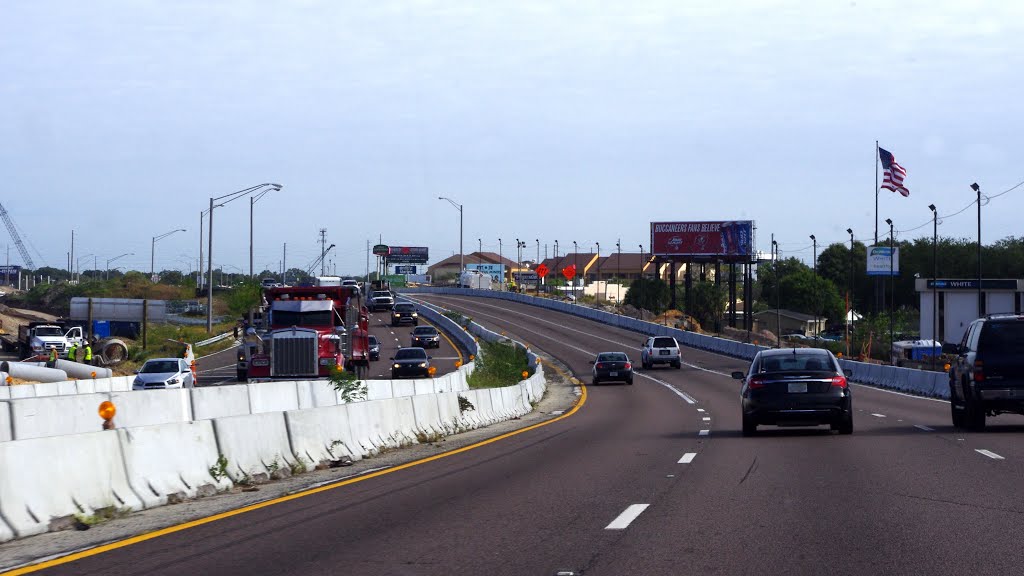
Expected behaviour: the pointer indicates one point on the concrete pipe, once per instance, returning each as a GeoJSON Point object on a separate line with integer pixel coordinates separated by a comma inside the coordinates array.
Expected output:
{"type": "Point", "coordinates": [113, 352]}
{"type": "Point", "coordinates": [33, 373]}
{"type": "Point", "coordinates": [3, 378]}
{"type": "Point", "coordinates": [82, 371]}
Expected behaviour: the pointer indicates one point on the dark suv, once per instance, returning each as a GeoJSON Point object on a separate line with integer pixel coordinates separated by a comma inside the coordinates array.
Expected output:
{"type": "Point", "coordinates": [987, 378]}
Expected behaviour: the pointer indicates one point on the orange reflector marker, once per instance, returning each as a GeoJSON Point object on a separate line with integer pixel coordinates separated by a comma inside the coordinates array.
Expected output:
{"type": "Point", "coordinates": [93, 375]}
{"type": "Point", "coordinates": [525, 374]}
{"type": "Point", "coordinates": [107, 410]}
{"type": "Point", "coordinates": [472, 357]}
{"type": "Point", "coordinates": [458, 364]}
{"type": "Point", "coordinates": [432, 370]}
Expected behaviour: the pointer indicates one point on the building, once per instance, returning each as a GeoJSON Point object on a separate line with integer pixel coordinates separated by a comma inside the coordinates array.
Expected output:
{"type": "Point", "coordinates": [958, 304]}
{"type": "Point", "coordinates": [449, 267]}
{"type": "Point", "coordinates": [791, 322]}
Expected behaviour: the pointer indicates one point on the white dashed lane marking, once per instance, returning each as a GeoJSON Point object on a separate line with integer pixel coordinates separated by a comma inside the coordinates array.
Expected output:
{"type": "Point", "coordinates": [923, 427]}
{"type": "Point", "coordinates": [707, 419]}
{"type": "Point", "coordinates": [626, 518]}
{"type": "Point", "coordinates": [990, 454]}
{"type": "Point", "coordinates": [879, 415]}
{"type": "Point", "coordinates": [704, 433]}
{"type": "Point", "coordinates": [687, 458]}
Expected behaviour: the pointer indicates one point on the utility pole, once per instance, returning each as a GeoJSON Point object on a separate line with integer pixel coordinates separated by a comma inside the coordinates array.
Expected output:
{"type": "Point", "coordinates": [284, 264]}
{"type": "Point", "coordinates": [71, 255]}
{"type": "Point", "coordinates": [323, 249]}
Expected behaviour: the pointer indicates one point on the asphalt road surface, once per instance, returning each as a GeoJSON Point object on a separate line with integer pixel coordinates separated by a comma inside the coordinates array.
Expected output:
{"type": "Point", "coordinates": [653, 478]}
{"type": "Point", "coordinates": [221, 368]}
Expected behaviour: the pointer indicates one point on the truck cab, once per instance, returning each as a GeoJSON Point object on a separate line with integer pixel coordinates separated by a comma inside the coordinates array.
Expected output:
{"type": "Point", "coordinates": [38, 337]}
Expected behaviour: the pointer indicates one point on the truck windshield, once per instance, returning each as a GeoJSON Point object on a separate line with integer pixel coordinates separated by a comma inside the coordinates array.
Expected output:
{"type": "Point", "coordinates": [49, 331]}
{"type": "Point", "coordinates": [286, 318]}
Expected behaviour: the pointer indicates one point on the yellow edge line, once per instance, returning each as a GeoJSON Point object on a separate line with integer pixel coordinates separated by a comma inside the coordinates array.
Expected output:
{"type": "Point", "coordinates": [456, 348]}
{"type": "Point", "coordinates": [252, 507]}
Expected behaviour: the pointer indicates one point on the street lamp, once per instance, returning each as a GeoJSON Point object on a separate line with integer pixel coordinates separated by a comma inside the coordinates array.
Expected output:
{"type": "Point", "coordinates": [640, 302]}
{"type": "Point", "coordinates": [107, 273]}
{"type": "Point", "coordinates": [252, 202]}
{"type": "Point", "coordinates": [892, 287]}
{"type": "Point", "coordinates": [815, 264]}
{"type": "Point", "coordinates": [152, 250]}
{"type": "Point", "coordinates": [981, 295]}
{"type": "Point", "coordinates": [597, 285]}
{"type": "Point", "coordinates": [209, 266]}
{"type": "Point", "coordinates": [849, 298]}
{"type": "Point", "coordinates": [935, 281]}
{"type": "Point", "coordinates": [778, 294]}
{"type": "Point", "coordinates": [576, 268]}
{"type": "Point", "coordinates": [501, 265]}
{"type": "Point", "coordinates": [462, 258]}
{"type": "Point", "coordinates": [618, 272]}
{"type": "Point", "coordinates": [78, 265]}
{"type": "Point", "coordinates": [199, 272]}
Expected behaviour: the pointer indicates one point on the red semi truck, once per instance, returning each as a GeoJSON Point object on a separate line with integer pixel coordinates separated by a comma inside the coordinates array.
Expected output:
{"type": "Point", "coordinates": [307, 332]}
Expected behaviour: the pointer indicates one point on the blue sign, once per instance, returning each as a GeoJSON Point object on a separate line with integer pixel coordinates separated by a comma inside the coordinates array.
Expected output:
{"type": "Point", "coordinates": [10, 269]}
{"type": "Point", "coordinates": [405, 269]}
{"type": "Point", "coordinates": [496, 271]}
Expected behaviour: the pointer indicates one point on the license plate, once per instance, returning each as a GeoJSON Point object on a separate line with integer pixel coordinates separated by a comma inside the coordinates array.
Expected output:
{"type": "Point", "coordinates": [797, 387]}
{"type": "Point", "coordinates": [613, 374]}
{"type": "Point", "coordinates": [664, 352]}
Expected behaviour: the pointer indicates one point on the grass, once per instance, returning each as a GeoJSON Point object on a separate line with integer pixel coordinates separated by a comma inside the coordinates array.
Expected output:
{"type": "Point", "coordinates": [161, 340]}
{"type": "Point", "coordinates": [499, 364]}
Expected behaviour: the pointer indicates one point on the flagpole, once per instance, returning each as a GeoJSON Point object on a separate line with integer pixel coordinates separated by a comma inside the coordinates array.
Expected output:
{"type": "Point", "coordinates": [876, 193]}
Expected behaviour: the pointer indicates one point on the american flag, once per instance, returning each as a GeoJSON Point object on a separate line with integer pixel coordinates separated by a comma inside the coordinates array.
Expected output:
{"type": "Point", "coordinates": [893, 173]}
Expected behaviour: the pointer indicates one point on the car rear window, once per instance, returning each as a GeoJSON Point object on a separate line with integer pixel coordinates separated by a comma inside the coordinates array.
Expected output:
{"type": "Point", "coordinates": [796, 363]}
{"type": "Point", "coordinates": [1002, 338]}
{"type": "Point", "coordinates": [410, 353]}
{"type": "Point", "coordinates": [612, 357]}
{"type": "Point", "coordinates": [665, 343]}
{"type": "Point", "coordinates": [373, 340]}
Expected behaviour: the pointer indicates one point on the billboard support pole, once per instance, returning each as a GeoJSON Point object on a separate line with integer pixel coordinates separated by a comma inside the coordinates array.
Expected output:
{"type": "Point", "coordinates": [672, 285]}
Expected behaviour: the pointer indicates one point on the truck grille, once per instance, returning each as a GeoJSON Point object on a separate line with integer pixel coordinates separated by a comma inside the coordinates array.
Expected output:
{"type": "Point", "coordinates": [295, 356]}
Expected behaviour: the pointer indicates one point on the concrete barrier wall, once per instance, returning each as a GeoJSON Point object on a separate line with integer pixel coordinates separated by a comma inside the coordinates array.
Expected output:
{"type": "Point", "coordinates": [171, 459]}
{"type": "Point", "coordinates": [219, 401]}
{"type": "Point", "coordinates": [273, 396]}
{"type": "Point", "coordinates": [152, 408]}
{"type": "Point", "coordinates": [321, 435]}
{"type": "Point", "coordinates": [49, 478]}
{"type": "Point", "coordinates": [6, 431]}
{"type": "Point", "coordinates": [56, 415]}
{"type": "Point", "coordinates": [255, 445]}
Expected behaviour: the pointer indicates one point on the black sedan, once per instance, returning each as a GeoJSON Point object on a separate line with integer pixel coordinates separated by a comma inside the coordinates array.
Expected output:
{"type": "Point", "coordinates": [412, 362]}
{"type": "Point", "coordinates": [612, 367]}
{"type": "Point", "coordinates": [426, 337]}
{"type": "Point", "coordinates": [795, 387]}
{"type": "Point", "coordinates": [404, 312]}
{"type": "Point", "coordinates": [374, 348]}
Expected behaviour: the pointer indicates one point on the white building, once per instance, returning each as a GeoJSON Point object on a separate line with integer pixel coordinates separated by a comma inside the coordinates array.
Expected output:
{"type": "Point", "coordinates": [958, 304]}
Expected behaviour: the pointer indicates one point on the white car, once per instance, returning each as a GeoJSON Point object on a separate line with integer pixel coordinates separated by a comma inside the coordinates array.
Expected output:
{"type": "Point", "coordinates": [163, 373]}
{"type": "Point", "coordinates": [660, 350]}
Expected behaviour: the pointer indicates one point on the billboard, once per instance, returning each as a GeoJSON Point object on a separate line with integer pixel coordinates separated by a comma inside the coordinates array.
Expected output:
{"type": "Point", "coordinates": [496, 271]}
{"type": "Point", "coordinates": [878, 261]}
{"type": "Point", "coordinates": [408, 255]}
{"type": "Point", "coordinates": [718, 239]}
{"type": "Point", "coordinates": [405, 269]}
{"type": "Point", "coordinates": [12, 270]}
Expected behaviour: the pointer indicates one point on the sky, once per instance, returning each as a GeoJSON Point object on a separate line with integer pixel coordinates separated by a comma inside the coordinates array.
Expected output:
{"type": "Point", "coordinates": [572, 121]}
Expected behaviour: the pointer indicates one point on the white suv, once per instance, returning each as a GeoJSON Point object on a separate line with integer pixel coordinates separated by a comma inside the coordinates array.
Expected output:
{"type": "Point", "coordinates": [660, 350]}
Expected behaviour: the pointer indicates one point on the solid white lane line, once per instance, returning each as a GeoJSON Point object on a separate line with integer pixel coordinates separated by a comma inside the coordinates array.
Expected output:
{"type": "Point", "coordinates": [990, 454]}
{"type": "Point", "coordinates": [879, 415]}
{"type": "Point", "coordinates": [704, 433]}
{"type": "Point", "coordinates": [687, 458]}
{"type": "Point", "coordinates": [707, 419]}
{"type": "Point", "coordinates": [923, 427]}
{"type": "Point", "coordinates": [627, 517]}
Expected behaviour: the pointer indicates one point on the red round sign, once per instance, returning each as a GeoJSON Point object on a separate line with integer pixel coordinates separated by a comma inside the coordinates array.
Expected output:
{"type": "Point", "coordinates": [569, 272]}
{"type": "Point", "coordinates": [542, 270]}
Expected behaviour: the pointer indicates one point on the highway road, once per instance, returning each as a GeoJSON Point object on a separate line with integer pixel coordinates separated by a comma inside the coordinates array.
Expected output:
{"type": "Point", "coordinates": [220, 368]}
{"type": "Point", "coordinates": [653, 478]}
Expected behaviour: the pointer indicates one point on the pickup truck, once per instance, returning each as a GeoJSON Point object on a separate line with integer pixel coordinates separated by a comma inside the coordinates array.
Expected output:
{"type": "Point", "coordinates": [36, 338]}
{"type": "Point", "coordinates": [381, 300]}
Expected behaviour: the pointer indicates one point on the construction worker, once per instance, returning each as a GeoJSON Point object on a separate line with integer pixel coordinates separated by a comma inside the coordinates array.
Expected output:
{"type": "Point", "coordinates": [52, 361]}
{"type": "Point", "coordinates": [87, 358]}
{"type": "Point", "coordinates": [73, 352]}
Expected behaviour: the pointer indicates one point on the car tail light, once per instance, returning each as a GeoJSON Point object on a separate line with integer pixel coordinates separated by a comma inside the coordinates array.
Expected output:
{"type": "Point", "coordinates": [979, 372]}
{"type": "Point", "coordinates": [599, 366]}
{"type": "Point", "coordinates": [839, 382]}
{"type": "Point", "coordinates": [756, 382]}
{"type": "Point", "coordinates": [628, 366]}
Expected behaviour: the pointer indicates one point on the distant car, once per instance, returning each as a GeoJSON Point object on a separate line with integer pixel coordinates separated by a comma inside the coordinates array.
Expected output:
{"type": "Point", "coordinates": [612, 367]}
{"type": "Point", "coordinates": [162, 373]}
{"type": "Point", "coordinates": [374, 348]}
{"type": "Point", "coordinates": [403, 313]}
{"type": "Point", "coordinates": [410, 362]}
{"type": "Point", "coordinates": [426, 337]}
{"type": "Point", "coordinates": [660, 350]}
{"type": "Point", "coordinates": [987, 378]}
{"type": "Point", "coordinates": [381, 300]}
{"type": "Point", "coordinates": [795, 387]}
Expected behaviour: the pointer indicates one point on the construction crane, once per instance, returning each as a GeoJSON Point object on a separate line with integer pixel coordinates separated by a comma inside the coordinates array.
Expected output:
{"type": "Point", "coordinates": [26, 259]}
{"type": "Point", "coordinates": [311, 267]}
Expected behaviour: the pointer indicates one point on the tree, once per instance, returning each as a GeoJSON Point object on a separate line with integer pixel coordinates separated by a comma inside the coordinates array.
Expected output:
{"type": "Point", "coordinates": [171, 277]}
{"type": "Point", "coordinates": [708, 303]}
{"type": "Point", "coordinates": [246, 295]}
{"type": "Point", "coordinates": [650, 294]}
{"type": "Point", "coordinates": [296, 276]}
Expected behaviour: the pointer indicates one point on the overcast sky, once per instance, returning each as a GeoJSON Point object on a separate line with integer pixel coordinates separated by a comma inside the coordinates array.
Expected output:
{"type": "Point", "coordinates": [548, 120]}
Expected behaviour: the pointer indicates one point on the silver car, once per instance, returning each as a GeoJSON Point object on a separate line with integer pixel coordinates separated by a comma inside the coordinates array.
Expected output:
{"type": "Point", "coordinates": [163, 373]}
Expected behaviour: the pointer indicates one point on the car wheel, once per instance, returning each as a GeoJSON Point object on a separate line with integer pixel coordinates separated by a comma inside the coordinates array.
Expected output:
{"type": "Point", "coordinates": [974, 416]}
{"type": "Point", "coordinates": [594, 382]}
{"type": "Point", "coordinates": [678, 364]}
{"type": "Point", "coordinates": [630, 381]}
{"type": "Point", "coordinates": [958, 413]}
{"type": "Point", "coordinates": [242, 376]}
{"type": "Point", "coordinates": [845, 424]}
{"type": "Point", "coordinates": [749, 426]}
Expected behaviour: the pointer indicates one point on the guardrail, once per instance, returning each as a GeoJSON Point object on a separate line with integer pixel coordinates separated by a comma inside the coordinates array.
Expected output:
{"type": "Point", "coordinates": [925, 383]}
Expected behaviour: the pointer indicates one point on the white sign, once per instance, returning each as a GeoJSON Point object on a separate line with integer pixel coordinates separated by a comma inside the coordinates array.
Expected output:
{"type": "Point", "coordinates": [879, 261]}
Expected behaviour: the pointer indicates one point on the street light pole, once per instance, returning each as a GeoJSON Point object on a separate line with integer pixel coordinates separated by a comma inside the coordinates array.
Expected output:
{"type": "Point", "coordinates": [107, 273]}
{"type": "Point", "coordinates": [981, 295]}
{"type": "Point", "coordinates": [576, 269]}
{"type": "Point", "coordinates": [935, 280]}
{"type": "Point", "coordinates": [778, 294]}
{"type": "Point", "coordinates": [462, 257]}
{"type": "Point", "coordinates": [252, 202]}
{"type": "Point", "coordinates": [152, 251]}
{"type": "Point", "coordinates": [209, 265]}
{"type": "Point", "coordinates": [501, 265]}
{"type": "Point", "coordinates": [815, 264]}
{"type": "Point", "coordinates": [618, 272]}
{"type": "Point", "coordinates": [640, 282]}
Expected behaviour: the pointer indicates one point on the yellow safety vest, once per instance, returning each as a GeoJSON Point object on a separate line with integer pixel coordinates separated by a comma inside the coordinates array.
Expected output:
{"type": "Point", "coordinates": [72, 353]}
{"type": "Point", "coordinates": [53, 354]}
{"type": "Point", "coordinates": [88, 353]}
